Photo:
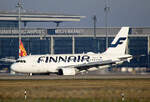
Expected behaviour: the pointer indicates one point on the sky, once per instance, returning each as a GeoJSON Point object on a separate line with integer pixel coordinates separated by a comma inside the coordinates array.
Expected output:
{"type": "Point", "coordinates": [133, 13]}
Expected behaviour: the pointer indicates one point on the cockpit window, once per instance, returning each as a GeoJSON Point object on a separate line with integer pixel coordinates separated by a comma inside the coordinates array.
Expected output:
{"type": "Point", "coordinates": [21, 61]}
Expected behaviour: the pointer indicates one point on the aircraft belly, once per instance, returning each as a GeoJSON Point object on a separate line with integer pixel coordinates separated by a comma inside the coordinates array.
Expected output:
{"type": "Point", "coordinates": [31, 68]}
{"type": "Point", "coordinates": [51, 68]}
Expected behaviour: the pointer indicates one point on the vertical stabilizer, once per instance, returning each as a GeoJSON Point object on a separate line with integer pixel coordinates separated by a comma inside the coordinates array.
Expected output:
{"type": "Point", "coordinates": [22, 51]}
{"type": "Point", "coordinates": [118, 45]}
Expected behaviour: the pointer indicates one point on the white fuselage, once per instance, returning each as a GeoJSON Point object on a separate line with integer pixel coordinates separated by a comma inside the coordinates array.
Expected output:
{"type": "Point", "coordinates": [51, 63]}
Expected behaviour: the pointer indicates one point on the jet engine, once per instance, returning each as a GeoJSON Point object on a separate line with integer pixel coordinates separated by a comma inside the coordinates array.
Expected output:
{"type": "Point", "coordinates": [67, 71]}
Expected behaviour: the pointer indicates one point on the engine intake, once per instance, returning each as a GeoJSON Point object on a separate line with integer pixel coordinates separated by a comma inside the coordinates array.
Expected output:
{"type": "Point", "coordinates": [67, 71]}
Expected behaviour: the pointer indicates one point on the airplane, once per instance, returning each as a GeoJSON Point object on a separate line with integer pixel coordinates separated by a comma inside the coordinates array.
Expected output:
{"type": "Point", "coordinates": [72, 64]}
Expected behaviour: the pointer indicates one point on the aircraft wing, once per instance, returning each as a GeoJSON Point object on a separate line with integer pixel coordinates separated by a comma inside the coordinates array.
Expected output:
{"type": "Point", "coordinates": [85, 66]}
{"type": "Point", "coordinates": [11, 60]}
{"type": "Point", "coordinates": [88, 65]}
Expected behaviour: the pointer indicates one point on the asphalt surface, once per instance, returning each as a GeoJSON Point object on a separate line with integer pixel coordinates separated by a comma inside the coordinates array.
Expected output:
{"type": "Point", "coordinates": [5, 76]}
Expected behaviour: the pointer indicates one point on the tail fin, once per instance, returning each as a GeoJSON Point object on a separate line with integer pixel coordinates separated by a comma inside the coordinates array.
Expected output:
{"type": "Point", "coordinates": [118, 45]}
{"type": "Point", "coordinates": [22, 51]}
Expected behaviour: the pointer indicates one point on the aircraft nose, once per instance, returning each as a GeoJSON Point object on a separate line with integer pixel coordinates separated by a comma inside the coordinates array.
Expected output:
{"type": "Point", "coordinates": [13, 67]}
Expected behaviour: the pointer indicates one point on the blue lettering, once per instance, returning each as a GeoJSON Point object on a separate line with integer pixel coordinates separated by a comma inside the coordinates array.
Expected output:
{"type": "Point", "coordinates": [85, 58]}
{"type": "Point", "coordinates": [78, 59]}
{"type": "Point", "coordinates": [41, 59]}
{"type": "Point", "coordinates": [48, 59]}
{"type": "Point", "coordinates": [62, 59]}
{"type": "Point", "coordinates": [53, 59]}
{"type": "Point", "coordinates": [72, 58]}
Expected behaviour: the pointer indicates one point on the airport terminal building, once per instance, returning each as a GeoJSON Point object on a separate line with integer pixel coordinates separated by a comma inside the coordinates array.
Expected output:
{"type": "Point", "coordinates": [66, 40]}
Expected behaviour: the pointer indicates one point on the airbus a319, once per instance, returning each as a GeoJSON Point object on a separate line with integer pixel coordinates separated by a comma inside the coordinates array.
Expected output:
{"type": "Point", "coordinates": [71, 64]}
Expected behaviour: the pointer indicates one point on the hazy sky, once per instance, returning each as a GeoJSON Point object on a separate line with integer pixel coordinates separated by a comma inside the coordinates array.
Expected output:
{"type": "Point", "coordinates": [135, 13]}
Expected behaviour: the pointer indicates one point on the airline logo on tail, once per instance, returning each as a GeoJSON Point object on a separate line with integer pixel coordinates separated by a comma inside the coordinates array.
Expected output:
{"type": "Point", "coordinates": [119, 41]}
{"type": "Point", "coordinates": [22, 51]}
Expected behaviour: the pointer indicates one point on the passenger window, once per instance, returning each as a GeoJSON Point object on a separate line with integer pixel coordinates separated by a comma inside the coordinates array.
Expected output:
{"type": "Point", "coordinates": [24, 61]}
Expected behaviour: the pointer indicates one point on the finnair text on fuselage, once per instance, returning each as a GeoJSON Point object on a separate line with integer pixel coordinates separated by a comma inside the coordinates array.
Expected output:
{"type": "Point", "coordinates": [57, 59]}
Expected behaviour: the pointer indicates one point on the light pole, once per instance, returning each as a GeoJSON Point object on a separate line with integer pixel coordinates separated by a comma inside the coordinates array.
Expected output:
{"type": "Point", "coordinates": [95, 39]}
{"type": "Point", "coordinates": [94, 22]}
{"type": "Point", "coordinates": [19, 6]}
{"type": "Point", "coordinates": [106, 10]}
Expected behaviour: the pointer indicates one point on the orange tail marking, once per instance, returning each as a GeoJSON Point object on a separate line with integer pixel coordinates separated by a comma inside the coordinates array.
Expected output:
{"type": "Point", "coordinates": [22, 51]}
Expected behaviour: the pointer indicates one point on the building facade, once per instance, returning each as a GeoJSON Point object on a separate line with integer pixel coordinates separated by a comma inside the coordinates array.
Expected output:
{"type": "Point", "coordinates": [74, 40]}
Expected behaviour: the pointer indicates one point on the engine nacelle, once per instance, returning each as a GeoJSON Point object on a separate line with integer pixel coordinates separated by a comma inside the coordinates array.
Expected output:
{"type": "Point", "coordinates": [67, 71]}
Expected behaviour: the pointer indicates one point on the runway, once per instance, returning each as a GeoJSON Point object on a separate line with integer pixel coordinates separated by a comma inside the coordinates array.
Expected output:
{"type": "Point", "coordinates": [84, 77]}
